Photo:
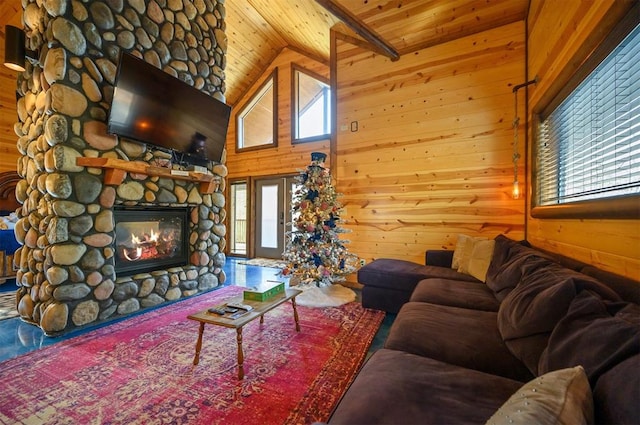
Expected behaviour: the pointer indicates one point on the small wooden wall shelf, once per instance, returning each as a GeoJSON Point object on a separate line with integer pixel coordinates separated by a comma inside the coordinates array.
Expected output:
{"type": "Point", "coordinates": [116, 169]}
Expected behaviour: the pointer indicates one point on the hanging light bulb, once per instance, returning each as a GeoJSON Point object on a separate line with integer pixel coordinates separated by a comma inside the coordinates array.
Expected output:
{"type": "Point", "coordinates": [516, 156]}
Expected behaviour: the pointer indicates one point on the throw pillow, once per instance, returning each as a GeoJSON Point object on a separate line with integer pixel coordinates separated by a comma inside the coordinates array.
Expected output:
{"type": "Point", "coordinates": [559, 397]}
{"type": "Point", "coordinates": [463, 250]}
{"type": "Point", "coordinates": [481, 255]}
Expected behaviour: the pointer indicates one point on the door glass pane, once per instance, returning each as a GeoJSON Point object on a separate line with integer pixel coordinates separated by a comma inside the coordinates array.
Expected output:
{"type": "Point", "coordinates": [238, 237]}
{"type": "Point", "coordinates": [269, 223]}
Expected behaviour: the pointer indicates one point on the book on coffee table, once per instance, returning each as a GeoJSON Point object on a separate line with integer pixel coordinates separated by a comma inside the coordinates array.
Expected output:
{"type": "Point", "coordinates": [263, 291]}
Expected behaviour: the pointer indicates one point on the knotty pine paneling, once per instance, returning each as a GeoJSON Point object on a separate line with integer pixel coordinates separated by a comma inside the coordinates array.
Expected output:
{"type": "Point", "coordinates": [411, 25]}
{"type": "Point", "coordinates": [10, 14]}
{"type": "Point", "coordinates": [561, 35]}
{"type": "Point", "coordinates": [286, 158]}
{"type": "Point", "coordinates": [258, 30]}
{"type": "Point", "coordinates": [432, 154]}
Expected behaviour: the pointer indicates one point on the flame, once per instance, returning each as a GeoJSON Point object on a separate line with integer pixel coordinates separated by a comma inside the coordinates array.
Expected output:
{"type": "Point", "coordinates": [152, 237]}
{"type": "Point", "coordinates": [138, 254]}
{"type": "Point", "coordinates": [138, 250]}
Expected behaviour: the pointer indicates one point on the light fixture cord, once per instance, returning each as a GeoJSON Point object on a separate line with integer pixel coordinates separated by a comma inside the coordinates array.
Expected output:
{"type": "Point", "coordinates": [516, 123]}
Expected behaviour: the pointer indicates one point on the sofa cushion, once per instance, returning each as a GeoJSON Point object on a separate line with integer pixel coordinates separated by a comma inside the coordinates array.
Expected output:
{"type": "Point", "coordinates": [395, 387]}
{"type": "Point", "coordinates": [385, 299]}
{"type": "Point", "coordinates": [438, 257]}
{"type": "Point", "coordinates": [455, 293]}
{"type": "Point", "coordinates": [559, 397]}
{"type": "Point", "coordinates": [616, 395]}
{"type": "Point", "coordinates": [460, 336]}
{"type": "Point", "coordinates": [402, 275]}
{"type": "Point", "coordinates": [540, 300]}
{"type": "Point", "coordinates": [529, 349]}
{"type": "Point", "coordinates": [501, 252]}
{"type": "Point", "coordinates": [596, 334]}
{"type": "Point", "coordinates": [536, 305]}
{"type": "Point", "coordinates": [509, 264]}
{"type": "Point", "coordinates": [628, 289]}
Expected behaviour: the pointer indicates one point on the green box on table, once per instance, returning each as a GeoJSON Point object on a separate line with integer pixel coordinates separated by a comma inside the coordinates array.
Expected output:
{"type": "Point", "coordinates": [263, 291]}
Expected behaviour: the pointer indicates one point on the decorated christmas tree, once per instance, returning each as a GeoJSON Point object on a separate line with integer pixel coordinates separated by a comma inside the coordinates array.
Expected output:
{"type": "Point", "coordinates": [314, 253]}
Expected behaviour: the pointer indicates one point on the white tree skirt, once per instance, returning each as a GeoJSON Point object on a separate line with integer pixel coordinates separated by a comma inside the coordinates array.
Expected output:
{"type": "Point", "coordinates": [327, 296]}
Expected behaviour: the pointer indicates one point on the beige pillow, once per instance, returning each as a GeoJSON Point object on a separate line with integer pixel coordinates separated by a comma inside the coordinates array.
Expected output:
{"type": "Point", "coordinates": [462, 251]}
{"type": "Point", "coordinates": [481, 255]}
{"type": "Point", "coordinates": [559, 397]}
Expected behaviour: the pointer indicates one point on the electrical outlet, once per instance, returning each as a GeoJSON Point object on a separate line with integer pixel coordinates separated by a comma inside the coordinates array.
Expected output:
{"type": "Point", "coordinates": [362, 262]}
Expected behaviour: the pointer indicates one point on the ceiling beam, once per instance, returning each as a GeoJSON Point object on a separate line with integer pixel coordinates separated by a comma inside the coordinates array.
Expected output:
{"type": "Point", "coordinates": [360, 28]}
{"type": "Point", "coordinates": [345, 33]}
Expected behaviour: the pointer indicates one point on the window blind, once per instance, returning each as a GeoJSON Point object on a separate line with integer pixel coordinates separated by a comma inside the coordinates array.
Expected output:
{"type": "Point", "coordinates": [588, 147]}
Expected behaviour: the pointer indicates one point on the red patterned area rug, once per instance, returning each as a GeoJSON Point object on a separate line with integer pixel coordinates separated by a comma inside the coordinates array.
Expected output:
{"type": "Point", "coordinates": [140, 371]}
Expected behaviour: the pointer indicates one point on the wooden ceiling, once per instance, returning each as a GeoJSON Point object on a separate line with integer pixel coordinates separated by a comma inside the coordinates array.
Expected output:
{"type": "Point", "coordinates": [258, 30]}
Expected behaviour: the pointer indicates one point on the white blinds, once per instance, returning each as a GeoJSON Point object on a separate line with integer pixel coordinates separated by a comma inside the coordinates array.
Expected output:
{"type": "Point", "coordinates": [589, 146]}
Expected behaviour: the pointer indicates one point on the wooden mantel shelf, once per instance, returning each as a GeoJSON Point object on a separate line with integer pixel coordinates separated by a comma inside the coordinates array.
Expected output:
{"type": "Point", "coordinates": [116, 169]}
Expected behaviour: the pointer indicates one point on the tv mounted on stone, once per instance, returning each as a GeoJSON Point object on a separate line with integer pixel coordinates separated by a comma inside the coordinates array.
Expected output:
{"type": "Point", "coordinates": [153, 107]}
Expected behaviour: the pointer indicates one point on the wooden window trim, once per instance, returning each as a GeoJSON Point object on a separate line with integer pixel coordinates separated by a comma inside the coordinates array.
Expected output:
{"type": "Point", "coordinates": [273, 77]}
{"type": "Point", "coordinates": [294, 105]}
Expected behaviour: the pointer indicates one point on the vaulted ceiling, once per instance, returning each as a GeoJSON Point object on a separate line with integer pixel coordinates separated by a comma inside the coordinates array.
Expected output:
{"type": "Point", "coordinates": [258, 30]}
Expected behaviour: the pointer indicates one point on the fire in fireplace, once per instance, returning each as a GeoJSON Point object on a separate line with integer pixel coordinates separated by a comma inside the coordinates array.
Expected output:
{"type": "Point", "coordinates": [150, 238]}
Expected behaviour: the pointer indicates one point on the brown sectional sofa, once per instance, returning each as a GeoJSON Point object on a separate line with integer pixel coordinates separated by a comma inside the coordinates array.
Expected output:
{"type": "Point", "coordinates": [459, 349]}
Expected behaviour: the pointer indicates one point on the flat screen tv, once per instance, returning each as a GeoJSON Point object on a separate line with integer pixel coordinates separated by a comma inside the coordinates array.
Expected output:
{"type": "Point", "coordinates": [153, 107]}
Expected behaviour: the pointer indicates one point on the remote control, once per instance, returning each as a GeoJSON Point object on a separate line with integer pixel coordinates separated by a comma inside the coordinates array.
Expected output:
{"type": "Point", "coordinates": [240, 306]}
{"type": "Point", "coordinates": [218, 311]}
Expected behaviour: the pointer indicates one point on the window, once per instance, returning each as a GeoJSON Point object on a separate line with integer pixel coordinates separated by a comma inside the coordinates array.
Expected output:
{"type": "Point", "coordinates": [311, 106]}
{"type": "Point", "coordinates": [257, 120]}
{"type": "Point", "coordinates": [587, 148]}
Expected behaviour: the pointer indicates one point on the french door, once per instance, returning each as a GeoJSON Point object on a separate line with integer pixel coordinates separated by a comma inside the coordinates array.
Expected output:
{"type": "Point", "coordinates": [273, 215]}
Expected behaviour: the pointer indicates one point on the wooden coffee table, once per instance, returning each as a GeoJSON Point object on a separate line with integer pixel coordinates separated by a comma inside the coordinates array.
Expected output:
{"type": "Point", "coordinates": [259, 309]}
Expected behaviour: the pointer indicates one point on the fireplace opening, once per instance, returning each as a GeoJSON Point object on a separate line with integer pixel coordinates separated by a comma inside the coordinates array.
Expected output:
{"type": "Point", "coordinates": [150, 238]}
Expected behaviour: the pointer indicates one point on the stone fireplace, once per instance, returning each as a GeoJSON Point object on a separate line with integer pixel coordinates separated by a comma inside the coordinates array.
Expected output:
{"type": "Point", "coordinates": [70, 271]}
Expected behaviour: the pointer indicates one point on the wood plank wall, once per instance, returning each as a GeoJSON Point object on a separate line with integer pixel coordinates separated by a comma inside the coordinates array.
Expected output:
{"type": "Point", "coordinates": [10, 13]}
{"type": "Point", "coordinates": [286, 158]}
{"type": "Point", "coordinates": [432, 153]}
{"type": "Point", "coordinates": [561, 34]}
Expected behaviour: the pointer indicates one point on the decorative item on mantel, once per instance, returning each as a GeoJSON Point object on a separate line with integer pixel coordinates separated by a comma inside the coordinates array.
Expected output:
{"type": "Point", "coordinates": [314, 254]}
